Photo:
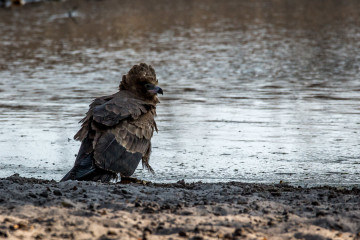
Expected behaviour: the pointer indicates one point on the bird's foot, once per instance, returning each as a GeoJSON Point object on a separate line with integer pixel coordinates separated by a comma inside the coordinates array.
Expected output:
{"type": "Point", "coordinates": [127, 180]}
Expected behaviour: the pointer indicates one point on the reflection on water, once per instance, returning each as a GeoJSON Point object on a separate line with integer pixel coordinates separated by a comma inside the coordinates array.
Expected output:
{"type": "Point", "coordinates": [256, 91]}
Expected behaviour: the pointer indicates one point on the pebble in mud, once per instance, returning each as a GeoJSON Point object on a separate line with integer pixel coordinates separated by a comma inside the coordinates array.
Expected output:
{"type": "Point", "coordinates": [67, 204]}
{"type": "Point", "coordinates": [44, 194]}
{"type": "Point", "coordinates": [57, 192]}
{"type": "Point", "coordinates": [238, 232]}
{"type": "Point", "coordinates": [310, 236]}
{"type": "Point", "coordinates": [111, 233]}
{"type": "Point", "coordinates": [197, 238]}
{"type": "Point", "coordinates": [3, 234]}
{"type": "Point", "coordinates": [32, 195]}
{"type": "Point", "coordinates": [40, 236]}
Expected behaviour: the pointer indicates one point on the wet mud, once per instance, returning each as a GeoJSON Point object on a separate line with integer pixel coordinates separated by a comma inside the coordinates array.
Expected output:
{"type": "Point", "coordinates": [42, 209]}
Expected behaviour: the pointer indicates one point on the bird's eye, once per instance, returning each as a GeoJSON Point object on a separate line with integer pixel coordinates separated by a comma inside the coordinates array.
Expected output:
{"type": "Point", "coordinates": [149, 86]}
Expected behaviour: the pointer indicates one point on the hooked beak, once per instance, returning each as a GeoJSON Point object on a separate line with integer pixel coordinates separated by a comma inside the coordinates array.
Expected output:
{"type": "Point", "coordinates": [156, 89]}
{"type": "Point", "coordinates": [159, 90]}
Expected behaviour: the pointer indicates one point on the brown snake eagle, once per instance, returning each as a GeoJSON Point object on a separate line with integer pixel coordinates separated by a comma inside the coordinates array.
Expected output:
{"type": "Point", "coordinates": [116, 132]}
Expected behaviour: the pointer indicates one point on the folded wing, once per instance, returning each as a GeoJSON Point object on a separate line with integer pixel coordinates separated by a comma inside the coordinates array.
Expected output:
{"type": "Point", "coordinates": [116, 133]}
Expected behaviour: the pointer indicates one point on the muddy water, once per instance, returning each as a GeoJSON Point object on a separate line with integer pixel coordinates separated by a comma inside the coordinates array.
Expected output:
{"type": "Point", "coordinates": [255, 91]}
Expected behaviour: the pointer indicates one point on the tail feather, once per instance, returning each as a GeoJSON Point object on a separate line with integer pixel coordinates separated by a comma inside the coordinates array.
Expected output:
{"type": "Point", "coordinates": [85, 170]}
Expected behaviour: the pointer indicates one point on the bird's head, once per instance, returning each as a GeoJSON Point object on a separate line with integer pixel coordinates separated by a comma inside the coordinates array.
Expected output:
{"type": "Point", "coordinates": [141, 80]}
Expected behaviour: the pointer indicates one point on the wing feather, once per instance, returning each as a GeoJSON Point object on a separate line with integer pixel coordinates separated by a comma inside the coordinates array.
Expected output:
{"type": "Point", "coordinates": [120, 128]}
{"type": "Point", "coordinates": [110, 110]}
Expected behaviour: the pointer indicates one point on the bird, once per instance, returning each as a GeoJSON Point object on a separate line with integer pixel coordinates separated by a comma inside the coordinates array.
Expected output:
{"type": "Point", "coordinates": [116, 132]}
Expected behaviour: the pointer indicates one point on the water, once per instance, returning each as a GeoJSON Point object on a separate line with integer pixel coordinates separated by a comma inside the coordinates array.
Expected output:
{"type": "Point", "coordinates": [254, 91]}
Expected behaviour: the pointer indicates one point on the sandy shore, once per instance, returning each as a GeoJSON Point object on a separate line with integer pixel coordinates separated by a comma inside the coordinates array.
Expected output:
{"type": "Point", "coordinates": [39, 209]}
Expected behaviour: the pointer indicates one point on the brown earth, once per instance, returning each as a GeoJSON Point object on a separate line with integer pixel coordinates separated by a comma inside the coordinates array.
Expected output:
{"type": "Point", "coordinates": [40, 209]}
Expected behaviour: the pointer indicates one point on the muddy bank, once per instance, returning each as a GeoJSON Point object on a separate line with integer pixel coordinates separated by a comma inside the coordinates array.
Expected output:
{"type": "Point", "coordinates": [40, 209]}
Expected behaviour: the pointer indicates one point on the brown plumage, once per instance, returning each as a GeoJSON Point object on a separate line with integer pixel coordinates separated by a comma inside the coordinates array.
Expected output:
{"type": "Point", "coordinates": [116, 131]}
